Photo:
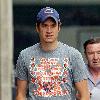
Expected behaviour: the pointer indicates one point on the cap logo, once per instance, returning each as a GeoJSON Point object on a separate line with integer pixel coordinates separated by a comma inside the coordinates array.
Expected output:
{"type": "Point", "coordinates": [48, 10]}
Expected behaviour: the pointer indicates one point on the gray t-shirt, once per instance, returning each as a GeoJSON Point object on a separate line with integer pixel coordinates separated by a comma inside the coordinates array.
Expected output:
{"type": "Point", "coordinates": [51, 75]}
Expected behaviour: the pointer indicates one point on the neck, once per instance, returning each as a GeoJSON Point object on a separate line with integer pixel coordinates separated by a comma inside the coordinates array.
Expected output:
{"type": "Point", "coordinates": [95, 72]}
{"type": "Point", "coordinates": [49, 46]}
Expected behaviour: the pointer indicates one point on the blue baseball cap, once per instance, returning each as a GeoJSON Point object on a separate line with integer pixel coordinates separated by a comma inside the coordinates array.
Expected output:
{"type": "Point", "coordinates": [46, 13]}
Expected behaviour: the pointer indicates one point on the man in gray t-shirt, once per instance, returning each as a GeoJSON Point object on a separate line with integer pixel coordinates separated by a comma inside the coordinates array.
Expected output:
{"type": "Point", "coordinates": [50, 70]}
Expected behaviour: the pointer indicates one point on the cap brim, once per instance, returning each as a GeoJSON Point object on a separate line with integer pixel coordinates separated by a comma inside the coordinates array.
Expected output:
{"type": "Point", "coordinates": [50, 16]}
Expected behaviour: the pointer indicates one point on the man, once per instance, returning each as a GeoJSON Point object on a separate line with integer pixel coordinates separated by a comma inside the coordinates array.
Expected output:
{"type": "Point", "coordinates": [50, 70]}
{"type": "Point", "coordinates": [92, 52]}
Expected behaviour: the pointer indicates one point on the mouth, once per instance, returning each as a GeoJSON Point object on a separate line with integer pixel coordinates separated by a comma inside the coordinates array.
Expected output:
{"type": "Point", "coordinates": [49, 36]}
{"type": "Point", "coordinates": [96, 63]}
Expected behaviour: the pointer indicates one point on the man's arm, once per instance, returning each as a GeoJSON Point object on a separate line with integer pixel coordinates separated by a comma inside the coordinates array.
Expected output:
{"type": "Point", "coordinates": [21, 89]}
{"type": "Point", "coordinates": [83, 90]}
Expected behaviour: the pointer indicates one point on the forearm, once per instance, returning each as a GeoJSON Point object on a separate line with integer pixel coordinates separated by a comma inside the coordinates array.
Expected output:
{"type": "Point", "coordinates": [83, 91]}
{"type": "Point", "coordinates": [85, 95]}
{"type": "Point", "coordinates": [85, 98]}
{"type": "Point", "coordinates": [21, 90]}
{"type": "Point", "coordinates": [19, 97]}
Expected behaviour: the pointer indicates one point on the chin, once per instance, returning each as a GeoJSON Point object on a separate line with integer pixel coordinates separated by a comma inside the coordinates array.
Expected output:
{"type": "Point", "coordinates": [97, 66]}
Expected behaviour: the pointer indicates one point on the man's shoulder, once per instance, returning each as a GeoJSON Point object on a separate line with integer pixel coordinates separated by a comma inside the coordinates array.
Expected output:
{"type": "Point", "coordinates": [68, 48]}
{"type": "Point", "coordinates": [30, 49]}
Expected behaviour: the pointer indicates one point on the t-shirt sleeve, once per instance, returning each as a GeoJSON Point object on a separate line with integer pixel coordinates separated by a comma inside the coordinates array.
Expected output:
{"type": "Point", "coordinates": [78, 67]}
{"type": "Point", "coordinates": [21, 70]}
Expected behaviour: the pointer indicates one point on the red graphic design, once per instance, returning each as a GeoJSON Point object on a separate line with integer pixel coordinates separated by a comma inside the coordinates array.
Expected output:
{"type": "Point", "coordinates": [48, 76]}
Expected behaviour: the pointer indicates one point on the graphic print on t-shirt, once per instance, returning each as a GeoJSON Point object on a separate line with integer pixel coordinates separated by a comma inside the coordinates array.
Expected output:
{"type": "Point", "coordinates": [49, 76]}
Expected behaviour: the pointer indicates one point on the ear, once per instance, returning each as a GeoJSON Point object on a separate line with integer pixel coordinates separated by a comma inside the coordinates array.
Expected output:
{"type": "Point", "coordinates": [37, 28]}
{"type": "Point", "coordinates": [59, 28]}
{"type": "Point", "coordinates": [85, 55]}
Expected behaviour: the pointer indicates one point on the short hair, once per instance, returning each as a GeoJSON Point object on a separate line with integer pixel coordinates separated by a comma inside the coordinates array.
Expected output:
{"type": "Point", "coordinates": [91, 41]}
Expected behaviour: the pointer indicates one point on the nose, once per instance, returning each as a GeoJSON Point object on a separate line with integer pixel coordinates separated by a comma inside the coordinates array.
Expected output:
{"type": "Point", "coordinates": [96, 55]}
{"type": "Point", "coordinates": [49, 29]}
